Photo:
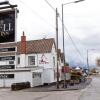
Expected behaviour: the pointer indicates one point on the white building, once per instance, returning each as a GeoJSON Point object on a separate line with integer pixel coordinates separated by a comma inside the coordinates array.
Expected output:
{"type": "Point", "coordinates": [34, 61]}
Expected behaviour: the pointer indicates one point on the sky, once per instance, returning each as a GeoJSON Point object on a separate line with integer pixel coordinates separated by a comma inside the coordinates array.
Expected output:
{"type": "Point", "coordinates": [82, 20]}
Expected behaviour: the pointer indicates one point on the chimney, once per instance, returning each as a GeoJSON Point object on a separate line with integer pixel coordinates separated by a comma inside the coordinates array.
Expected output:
{"type": "Point", "coordinates": [23, 44]}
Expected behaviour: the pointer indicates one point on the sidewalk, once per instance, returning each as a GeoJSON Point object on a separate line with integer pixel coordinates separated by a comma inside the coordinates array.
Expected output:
{"type": "Point", "coordinates": [54, 88]}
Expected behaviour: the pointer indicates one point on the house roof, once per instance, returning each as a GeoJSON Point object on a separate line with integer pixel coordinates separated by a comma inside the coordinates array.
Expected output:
{"type": "Point", "coordinates": [33, 46]}
{"type": "Point", "coordinates": [37, 46]}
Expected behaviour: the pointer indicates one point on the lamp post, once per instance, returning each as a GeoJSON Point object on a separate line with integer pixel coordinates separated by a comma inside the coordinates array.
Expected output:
{"type": "Point", "coordinates": [87, 62]}
{"type": "Point", "coordinates": [77, 1]}
{"type": "Point", "coordinates": [88, 58]}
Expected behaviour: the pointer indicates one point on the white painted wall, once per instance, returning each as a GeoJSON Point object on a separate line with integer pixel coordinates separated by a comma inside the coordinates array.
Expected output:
{"type": "Point", "coordinates": [7, 82]}
{"type": "Point", "coordinates": [23, 77]}
{"type": "Point", "coordinates": [18, 77]}
{"type": "Point", "coordinates": [46, 76]}
{"type": "Point", "coordinates": [22, 60]}
{"type": "Point", "coordinates": [1, 82]}
{"type": "Point", "coordinates": [48, 67]}
{"type": "Point", "coordinates": [48, 72]}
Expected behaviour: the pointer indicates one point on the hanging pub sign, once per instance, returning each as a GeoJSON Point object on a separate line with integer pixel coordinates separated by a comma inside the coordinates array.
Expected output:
{"type": "Point", "coordinates": [7, 26]}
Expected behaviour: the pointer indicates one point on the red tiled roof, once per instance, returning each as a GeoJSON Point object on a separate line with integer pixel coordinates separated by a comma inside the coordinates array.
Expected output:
{"type": "Point", "coordinates": [38, 46]}
{"type": "Point", "coordinates": [33, 46]}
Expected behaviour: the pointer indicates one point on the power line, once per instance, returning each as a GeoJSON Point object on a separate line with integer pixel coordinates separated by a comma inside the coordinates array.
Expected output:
{"type": "Point", "coordinates": [34, 12]}
{"type": "Point", "coordinates": [71, 39]}
{"type": "Point", "coordinates": [50, 5]}
{"type": "Point", "coordinates": [66, 30]}
{"type": "Point", "coordinates": [50, 24]}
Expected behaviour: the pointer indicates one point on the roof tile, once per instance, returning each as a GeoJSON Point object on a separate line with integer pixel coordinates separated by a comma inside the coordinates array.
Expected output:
{"type": "Point", "coordinates": [33, 46]}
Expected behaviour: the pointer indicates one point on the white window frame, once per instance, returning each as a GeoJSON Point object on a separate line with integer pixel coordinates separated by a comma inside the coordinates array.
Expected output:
{"type": "Point", "coordinates": [31, 60]}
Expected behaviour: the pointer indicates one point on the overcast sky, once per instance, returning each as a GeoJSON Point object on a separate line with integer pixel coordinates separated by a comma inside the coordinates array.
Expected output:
{"type": "Point", "coordinates": [37, 19]}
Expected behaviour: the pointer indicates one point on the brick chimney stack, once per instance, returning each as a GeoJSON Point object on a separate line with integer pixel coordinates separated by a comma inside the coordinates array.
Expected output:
{"type": "Point", "coordinates": [23, 44]}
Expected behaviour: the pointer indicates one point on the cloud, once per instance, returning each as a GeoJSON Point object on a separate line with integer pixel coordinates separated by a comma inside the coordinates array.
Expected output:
{"type": "Point", "coordinates": [82, 20]}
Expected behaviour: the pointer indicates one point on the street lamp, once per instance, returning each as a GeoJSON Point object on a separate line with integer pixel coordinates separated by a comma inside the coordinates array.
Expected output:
{"type": "Point", "coordinates": [88, 59]}
{"type": "Point", "coordinates": [87, 62]}
{"type": "Point", "coordinates": [77, 1]}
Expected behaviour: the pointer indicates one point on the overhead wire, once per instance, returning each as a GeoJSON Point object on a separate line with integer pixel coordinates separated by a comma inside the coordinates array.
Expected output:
{"type": "Point", "coordinates": [34, 12]}
{"type": "Point", "coordinates": [71, 38]}
{"type": "Point", "coordinates": [66, 31]}
{"type": "Point", "coordinates": [50, 5]}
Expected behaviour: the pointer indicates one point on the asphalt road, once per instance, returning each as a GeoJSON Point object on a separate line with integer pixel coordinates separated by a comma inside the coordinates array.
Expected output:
{"type": "Point", "coordinates": [92, 92]}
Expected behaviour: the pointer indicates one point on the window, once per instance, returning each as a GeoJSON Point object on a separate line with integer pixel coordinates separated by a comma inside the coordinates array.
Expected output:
{"type": "Point", "coordinates": [36, 75]}
{"type": "Point", "coordinates": [11, 62]}
{"type": "Point", "coordinates": [18, 60]}
{"type": "Point", "coordinates": [54, 61]}
{"type": "Point", "coordinates": [31, 60]}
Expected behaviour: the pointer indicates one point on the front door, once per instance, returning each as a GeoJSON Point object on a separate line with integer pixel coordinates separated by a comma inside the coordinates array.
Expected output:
{"type": "Point", "coordinates": [37, 80]}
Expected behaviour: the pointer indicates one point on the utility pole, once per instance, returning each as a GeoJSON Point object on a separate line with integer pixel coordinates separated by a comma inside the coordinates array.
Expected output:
{"type": "Point", "coordinates": [55, 10]}
{"type": "Point", "coordinates": [63, 48]}
{"type": "Point", "coordinates": [57, 47]}
{"type": "Point", "coordinates": [87, 62]}
{"type": "Point", "coordinates": [63, 36]}
{"type": "Point", "coordinates": [76, 1]}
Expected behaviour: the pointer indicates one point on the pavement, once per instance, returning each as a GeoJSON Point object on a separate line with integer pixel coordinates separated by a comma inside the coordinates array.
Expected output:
{"type": "Point", "coordinates": [53, 87]}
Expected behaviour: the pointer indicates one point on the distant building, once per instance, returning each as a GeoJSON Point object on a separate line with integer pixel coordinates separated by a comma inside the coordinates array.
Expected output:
{"type": "Point", "coordinates": [98, 65]}
{"type": "Point", "coordinates": [33, 61]}
{"type": "Point", "coordinates": [98, 62]}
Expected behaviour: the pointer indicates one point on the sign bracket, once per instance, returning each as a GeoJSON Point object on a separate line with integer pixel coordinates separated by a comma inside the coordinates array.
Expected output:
{"type": "Point", "coordinates": [7, 3]}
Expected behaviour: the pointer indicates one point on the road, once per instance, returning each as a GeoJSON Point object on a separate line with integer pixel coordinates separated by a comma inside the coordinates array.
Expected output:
{"type": "Point", "coordinates": [92, 92]}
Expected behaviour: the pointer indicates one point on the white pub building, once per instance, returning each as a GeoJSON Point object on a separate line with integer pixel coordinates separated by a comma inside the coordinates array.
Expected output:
{"type": "Point", "coordinates": [33, 61]}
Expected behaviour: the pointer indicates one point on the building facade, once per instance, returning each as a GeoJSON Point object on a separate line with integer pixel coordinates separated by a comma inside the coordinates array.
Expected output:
{"type": "Point", "coordinates": [34, 61]}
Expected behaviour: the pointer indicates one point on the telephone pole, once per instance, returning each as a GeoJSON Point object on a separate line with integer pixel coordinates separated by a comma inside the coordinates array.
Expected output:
{"type": "Point", "coordinates": [57, 47]}
{"type": "Point", "coordinates": [87, 62]}
{"type": "Point", "coordinates": [55, 10]}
